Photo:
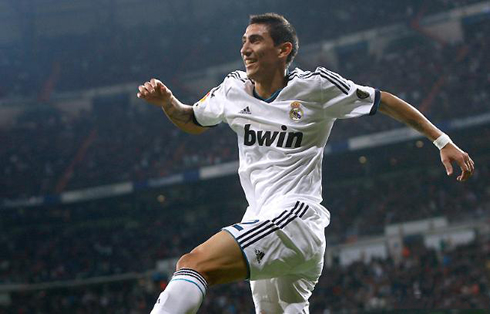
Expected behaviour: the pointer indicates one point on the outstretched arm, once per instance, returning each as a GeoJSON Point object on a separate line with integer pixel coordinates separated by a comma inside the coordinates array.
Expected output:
{"type": "Point", "coordinates": [157, 94]}
{"type": "Point", "coordinates": [404, 112]}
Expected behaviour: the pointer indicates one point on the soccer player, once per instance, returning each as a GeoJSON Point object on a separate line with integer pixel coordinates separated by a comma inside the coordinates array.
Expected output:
{"type": "Point", "coordinates": [282, 120]}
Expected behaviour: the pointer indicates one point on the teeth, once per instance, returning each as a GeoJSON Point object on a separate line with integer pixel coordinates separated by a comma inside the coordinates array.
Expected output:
{"type": "Point", "coordinates": [249, 61]}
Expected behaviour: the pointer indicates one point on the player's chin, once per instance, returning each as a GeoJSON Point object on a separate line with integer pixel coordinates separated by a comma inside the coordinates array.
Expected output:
{"type": "Point", "coordinates": [251, 73]}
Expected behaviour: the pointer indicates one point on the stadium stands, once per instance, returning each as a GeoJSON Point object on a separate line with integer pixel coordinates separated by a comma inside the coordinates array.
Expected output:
{"type": "Point", "coordinates": [115, 54]}
{"type": "Point", "coordinates": [103, 237]}
{"type": "Point", "coordinates": [46, 152]}
{"type": "Point", "coordinates": [135, 153]}
{"type": "Point", "coordinates": [450, 279]}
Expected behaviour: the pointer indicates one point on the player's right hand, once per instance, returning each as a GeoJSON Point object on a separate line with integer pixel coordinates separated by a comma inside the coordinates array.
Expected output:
{"type": "Point", "coordinates": [155, 92]}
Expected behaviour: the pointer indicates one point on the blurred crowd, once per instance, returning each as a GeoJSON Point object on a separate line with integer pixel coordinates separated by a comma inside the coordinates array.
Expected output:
{"type": "Point", "coordinates": [456, 75]}
{"type": "Point", "coordinates": [395, 184]}
{"type": "Point", "coordinates": [47, 152]}
{"type": "Point", "coordinates": [450, 278]}
{"type": "Point", "coordinates": [112, 54]}
{"type": "Point", "coordinates": [107, 237]}
{"type": "Point", "coordinates": [410, 192]}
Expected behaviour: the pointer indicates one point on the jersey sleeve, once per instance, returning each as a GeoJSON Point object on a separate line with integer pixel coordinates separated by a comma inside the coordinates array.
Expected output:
{"type": "Point", "coordinates": [210, 110]}
{"type": "Point", "coordinates": [344, 99]}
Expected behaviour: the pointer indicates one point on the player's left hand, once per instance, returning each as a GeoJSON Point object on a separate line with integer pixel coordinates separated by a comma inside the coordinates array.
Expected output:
{"type": "Point", "coordinates": [451, 153]}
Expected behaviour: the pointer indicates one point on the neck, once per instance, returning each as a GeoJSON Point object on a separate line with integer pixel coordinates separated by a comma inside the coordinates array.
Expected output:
{"type": "Point", "coordinates": [265, 88]}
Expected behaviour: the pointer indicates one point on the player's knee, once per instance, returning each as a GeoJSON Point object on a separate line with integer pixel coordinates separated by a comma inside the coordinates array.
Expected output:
{"type": "Point", "coordinates": [195, 261]}
{"type": "Point", "coordinates": [186, 261]}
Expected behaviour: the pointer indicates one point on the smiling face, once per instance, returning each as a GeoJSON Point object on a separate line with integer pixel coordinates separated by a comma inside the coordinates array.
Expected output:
{"type": "Point", "coordinates": [261, 57]}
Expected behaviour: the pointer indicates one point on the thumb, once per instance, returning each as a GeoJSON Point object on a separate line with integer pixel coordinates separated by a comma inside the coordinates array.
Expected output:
{"type": "Point", "coordinates": [160, 86]}
{"type": "Point", "coordinates": [163, 89]}
{"type": "Point", "coordinates": [448, 166]}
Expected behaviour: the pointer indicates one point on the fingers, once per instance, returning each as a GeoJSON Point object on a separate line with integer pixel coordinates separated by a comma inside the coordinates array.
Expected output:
{"type": "Point", "coordinates": [467, 167]}
{"type": "Point", "coordinates": [143, 92]}
{"type": "Point", "coordinates": [162, 88]}
{"type": "Point", "coordinates": [149, 87]}
{"type": "Point", "coordinates": [465, 175]}
{"type": "Point", "coordinates": [157, 84]}
{"type": "Point", "coordinates": [452, 153]}
{"type": "Point", "coordinates": [153, 87]}
{"type": "Point", "coordinates": [448, 166]}
{"type": "Point", "coordinates": [471, 164]}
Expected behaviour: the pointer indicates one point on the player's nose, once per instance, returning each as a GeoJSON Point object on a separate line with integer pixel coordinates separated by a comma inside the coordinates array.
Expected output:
{"type": "Point", "coordinates": [245, 51]}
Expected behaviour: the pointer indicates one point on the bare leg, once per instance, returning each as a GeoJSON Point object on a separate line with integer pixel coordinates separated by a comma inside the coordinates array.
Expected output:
{"type": "Point", "coordinates": [216, 261]}
{"type": "Point", "coordinates": [219, 260]}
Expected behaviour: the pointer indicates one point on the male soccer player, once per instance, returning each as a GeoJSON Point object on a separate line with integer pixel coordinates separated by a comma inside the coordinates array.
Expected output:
{"type": "Point", "coordinates": [283, 120]}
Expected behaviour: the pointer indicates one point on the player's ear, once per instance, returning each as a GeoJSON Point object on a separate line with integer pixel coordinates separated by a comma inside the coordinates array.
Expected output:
{"type": "Point", "coordinates": [285, 49]}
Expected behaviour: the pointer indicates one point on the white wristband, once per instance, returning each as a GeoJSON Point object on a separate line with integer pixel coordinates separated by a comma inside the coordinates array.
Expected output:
{"type": "Point", "coordinates": [442, 141]}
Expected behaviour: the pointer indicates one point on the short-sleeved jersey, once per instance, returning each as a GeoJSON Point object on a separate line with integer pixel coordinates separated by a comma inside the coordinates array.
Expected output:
{"type": "Point", "coordinates": [281, 142]}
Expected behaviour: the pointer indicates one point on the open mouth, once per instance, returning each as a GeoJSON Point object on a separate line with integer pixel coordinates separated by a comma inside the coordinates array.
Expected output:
{"type": "Point", "coordinates": [250, 62]}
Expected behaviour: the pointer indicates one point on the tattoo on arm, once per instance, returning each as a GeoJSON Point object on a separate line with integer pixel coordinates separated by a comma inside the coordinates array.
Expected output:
{"type": "Point", "coordinates": [178, 112]}
{"type": "Point", "coordinates": [184, 115]}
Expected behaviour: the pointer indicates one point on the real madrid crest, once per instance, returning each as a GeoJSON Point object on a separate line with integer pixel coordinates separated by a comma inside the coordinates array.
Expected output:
{"type": "Point", "coordinates": [296, 112]}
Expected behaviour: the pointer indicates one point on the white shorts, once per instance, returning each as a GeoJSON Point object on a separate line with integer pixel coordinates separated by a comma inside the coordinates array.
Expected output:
{"type": "Point", "coordinates": [284, 257]}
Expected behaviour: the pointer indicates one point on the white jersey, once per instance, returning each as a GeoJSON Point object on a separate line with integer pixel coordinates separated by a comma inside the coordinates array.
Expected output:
{"type": "Point", "coordinates": [281, 140]}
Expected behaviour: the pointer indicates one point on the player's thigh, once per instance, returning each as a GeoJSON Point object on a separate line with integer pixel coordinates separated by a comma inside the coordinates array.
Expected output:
{"type": "Point", "coordinates": [219, 259]}
{"type": "Point", "coordinates": [287, 294]}
{"type": "Point", "coordinates": [274, 249]}
{"type": "Point", "coordinates": [265, 296]}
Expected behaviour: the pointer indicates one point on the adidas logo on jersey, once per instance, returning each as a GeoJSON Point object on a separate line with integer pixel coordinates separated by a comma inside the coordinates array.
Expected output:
{"type": "Point", "coordinates": [246, 110]}
{"type": "Point", "coordinates": [259, 255]}
{"type": "Point", "coordinates": [268, 138]}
